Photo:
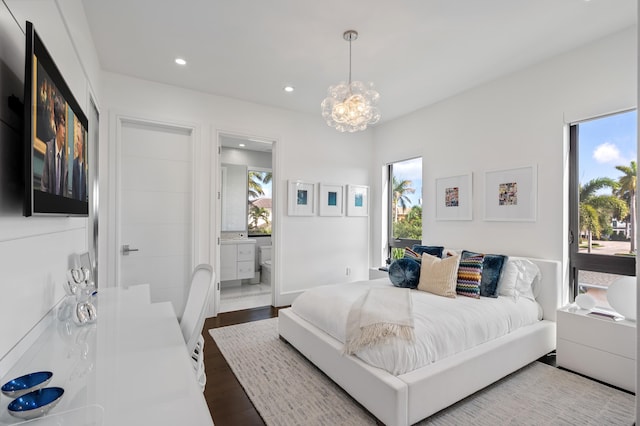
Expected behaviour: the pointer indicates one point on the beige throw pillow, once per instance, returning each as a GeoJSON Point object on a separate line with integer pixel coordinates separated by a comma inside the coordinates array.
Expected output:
{"type": "Point", "coordinates": [439, 276]}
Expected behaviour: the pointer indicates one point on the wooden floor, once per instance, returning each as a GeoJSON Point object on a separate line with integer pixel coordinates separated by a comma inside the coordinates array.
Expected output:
{"type": "Point", "coordinates": [228, 403]}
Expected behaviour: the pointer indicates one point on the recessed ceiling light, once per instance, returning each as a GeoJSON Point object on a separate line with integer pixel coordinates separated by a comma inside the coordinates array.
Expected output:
{"type": "Point", "coordinates": [288, 88]}
{"type": "Point", "coordinates": [241, 145]}
{"type": "Point", "coordinates": [181, 61]}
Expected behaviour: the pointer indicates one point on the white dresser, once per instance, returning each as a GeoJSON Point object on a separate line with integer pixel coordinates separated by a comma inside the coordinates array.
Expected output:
{"type": "Point", "coordinates": [597, 347]}
{"type": "Point", "coordinates": [237, 259]}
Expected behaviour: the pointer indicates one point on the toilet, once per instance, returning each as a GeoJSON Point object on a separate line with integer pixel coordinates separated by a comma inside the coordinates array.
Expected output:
{"type": "Point", "coordinates": [264, 257]}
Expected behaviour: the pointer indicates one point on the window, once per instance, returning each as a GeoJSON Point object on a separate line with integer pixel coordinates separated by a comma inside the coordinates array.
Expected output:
{"type": "Point", "coordinates": [603, 155]}
{"type": "Point", "coordinates": [259, 199]}
{"type": "Point", "coordinates": [405, 206]}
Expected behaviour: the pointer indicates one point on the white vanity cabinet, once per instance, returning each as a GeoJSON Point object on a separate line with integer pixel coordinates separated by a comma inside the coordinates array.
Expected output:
{"type": "Point", "coordinates": [237, 259]}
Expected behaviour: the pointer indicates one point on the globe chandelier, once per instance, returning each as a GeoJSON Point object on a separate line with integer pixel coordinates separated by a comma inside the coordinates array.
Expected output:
{"type": "Point", "coordinates": [351, 107]}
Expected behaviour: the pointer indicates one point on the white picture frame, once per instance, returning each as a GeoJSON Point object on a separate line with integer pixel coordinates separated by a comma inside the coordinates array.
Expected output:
{"type": "Point", "coordinates": [301, 198]}
{"type": "Point", "coordinates": [330, 200]}
{"type": "Point", "coordinates": [357, 200]}
{"type": "Point", "coordinates": [454, 197]}
{"type": "Point", "coordinates": [511, 194]}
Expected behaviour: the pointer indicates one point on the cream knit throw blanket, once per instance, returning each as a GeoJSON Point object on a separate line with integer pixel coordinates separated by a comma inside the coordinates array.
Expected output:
{"type": "Point", "coordinates": [379, 315]}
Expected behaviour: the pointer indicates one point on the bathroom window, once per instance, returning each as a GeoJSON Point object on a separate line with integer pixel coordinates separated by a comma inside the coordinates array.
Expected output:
{"type": "Point", "coordinates": [259, 202]}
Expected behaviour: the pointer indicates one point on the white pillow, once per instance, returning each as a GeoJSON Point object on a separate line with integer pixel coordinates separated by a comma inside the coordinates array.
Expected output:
{"type": "Point", "coordinates": [517, 279]}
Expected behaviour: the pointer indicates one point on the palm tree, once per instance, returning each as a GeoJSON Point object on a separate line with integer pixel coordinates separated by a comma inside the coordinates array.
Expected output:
{"type": "Point", "coordinates": [596, 210]}
{"type": "Point", "coordinates": [400, 199]}
{"type": "Point", "coordinates": [256, 214]}
{"type": "Point", "coordinates": [627, 190]}
{"type": "Point", "coordinates": [256, 179]}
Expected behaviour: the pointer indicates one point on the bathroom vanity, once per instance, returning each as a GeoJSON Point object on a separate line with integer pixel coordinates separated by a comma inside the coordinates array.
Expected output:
{"type": "Point", "coordinates": [237, 259]}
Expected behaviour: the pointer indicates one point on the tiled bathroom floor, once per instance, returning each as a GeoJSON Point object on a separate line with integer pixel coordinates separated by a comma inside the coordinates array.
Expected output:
{"type": "Point", "coordinates": [244, 296]}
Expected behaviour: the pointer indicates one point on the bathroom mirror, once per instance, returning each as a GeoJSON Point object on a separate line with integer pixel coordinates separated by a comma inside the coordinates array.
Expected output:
{"type": "Point", "coordinates": [234, 197]}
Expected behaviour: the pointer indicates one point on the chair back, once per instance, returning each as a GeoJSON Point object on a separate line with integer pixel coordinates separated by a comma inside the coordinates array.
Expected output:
{"type": "Point", "coordinates": [195, 310]}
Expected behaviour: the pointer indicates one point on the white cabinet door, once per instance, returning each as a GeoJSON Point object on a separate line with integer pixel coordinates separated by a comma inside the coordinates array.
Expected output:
{"type": "Point", "coordinates": [246, 269]}
{"type": "Point", "coordinates": [228, 262]}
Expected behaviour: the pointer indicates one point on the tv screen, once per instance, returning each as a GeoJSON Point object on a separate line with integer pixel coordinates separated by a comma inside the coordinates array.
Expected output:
{"type": "Point", "coordinates": [56, 132]}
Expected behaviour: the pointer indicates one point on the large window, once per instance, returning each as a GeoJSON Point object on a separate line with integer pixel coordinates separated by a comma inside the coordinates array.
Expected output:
{"type": "Point", "coordinates": [602, 203]}
{"type": "Point", "coordinates": [405, 206]}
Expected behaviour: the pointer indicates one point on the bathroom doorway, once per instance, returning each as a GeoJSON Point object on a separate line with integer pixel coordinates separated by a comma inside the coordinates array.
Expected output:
{"type": "Point", "coordinates": [246, 222]}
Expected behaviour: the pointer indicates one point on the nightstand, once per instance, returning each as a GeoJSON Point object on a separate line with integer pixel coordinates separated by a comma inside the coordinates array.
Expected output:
{"type": "Point", "coordinates": [600, 348]}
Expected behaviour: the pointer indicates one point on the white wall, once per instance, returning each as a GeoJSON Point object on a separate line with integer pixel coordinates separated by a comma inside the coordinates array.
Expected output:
{"type": "Point", "coordinates": [248, 158]}
{"type": "Point", "coordinates": [35, 252]}
{"type": "Point", "coordinates": [308, 251]}
{"type": "Point", "coordinates": [515, 121]}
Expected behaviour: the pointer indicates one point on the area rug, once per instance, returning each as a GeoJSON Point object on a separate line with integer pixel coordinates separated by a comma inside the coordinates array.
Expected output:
{"type": "Point", "coordinates": [286, 389]}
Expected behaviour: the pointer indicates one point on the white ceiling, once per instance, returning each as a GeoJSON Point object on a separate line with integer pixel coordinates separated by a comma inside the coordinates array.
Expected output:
{"type": "Point", "coordinates": [416, 52]}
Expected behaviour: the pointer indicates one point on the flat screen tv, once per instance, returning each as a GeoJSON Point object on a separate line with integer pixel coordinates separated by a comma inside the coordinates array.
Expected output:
{"type": "Point", "coordinates": [56, 138]}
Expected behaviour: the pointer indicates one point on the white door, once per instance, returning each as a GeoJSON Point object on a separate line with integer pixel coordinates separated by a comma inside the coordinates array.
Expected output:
{"type": "Point", "coordinates": [155, 209]}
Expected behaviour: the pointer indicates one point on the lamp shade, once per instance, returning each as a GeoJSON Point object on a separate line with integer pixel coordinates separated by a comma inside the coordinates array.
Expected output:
{"type": "Point", "coordinates": [621, 295]}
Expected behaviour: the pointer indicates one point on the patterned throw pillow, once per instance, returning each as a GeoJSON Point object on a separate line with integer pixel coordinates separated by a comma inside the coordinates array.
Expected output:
{"type": "Point", "coordinates": [439, 276]}
{"type": "Point", "coordinates": [410, 254]}
{"type": "Point", "coordinates": [491, 270]}
{"type": "Point", "coordinates": [470, 276]}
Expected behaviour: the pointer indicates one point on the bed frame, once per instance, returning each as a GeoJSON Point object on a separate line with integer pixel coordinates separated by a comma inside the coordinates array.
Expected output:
{"type": "Point", "coordinates": [408, 398]}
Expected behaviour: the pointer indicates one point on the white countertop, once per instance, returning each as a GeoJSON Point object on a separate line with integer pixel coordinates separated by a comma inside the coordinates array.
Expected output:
{"type": "Point", "coordinates": [130, 367]}
{"type": "Point", "coordinates": [238, 241]}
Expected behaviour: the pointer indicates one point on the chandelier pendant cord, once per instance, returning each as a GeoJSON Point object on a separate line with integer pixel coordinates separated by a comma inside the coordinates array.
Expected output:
{"type": "Point", "coordinates": [349, 65]}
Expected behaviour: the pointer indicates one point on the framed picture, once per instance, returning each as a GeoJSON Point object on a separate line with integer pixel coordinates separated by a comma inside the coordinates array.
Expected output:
{"type": "Point", "coordinates": [510, 195]}
{"type": "Point", "coordinates": [357, 200]}
{"type": "Point", "coordinates": [301, 198]}
{"type": "Point", "coordinates": [454, 196]}
{"type": "Point", "coordinates": [330, 200]}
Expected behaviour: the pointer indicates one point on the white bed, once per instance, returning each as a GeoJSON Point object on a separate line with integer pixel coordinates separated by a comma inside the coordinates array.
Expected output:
{"type": "Point", "coordinates": [410, 397]}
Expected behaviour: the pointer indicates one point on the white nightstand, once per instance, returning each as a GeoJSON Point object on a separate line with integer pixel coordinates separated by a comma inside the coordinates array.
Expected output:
{"type": "Point", "coordinates": [597, 347]}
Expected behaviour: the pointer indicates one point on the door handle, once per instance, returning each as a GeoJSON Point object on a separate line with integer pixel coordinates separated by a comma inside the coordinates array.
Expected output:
{"type": "Point", "coordinates": [126, 250]}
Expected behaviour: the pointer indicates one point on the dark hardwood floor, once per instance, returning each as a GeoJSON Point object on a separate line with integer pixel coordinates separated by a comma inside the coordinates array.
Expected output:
{"type": "Point", "coordinates": [228, 403]}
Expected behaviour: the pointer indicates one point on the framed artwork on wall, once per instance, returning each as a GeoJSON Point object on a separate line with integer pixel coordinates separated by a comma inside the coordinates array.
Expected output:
{"type": "Point", "coordinates": [511, 194]}
{"type": "Point", "coordinates": [454, 196]}
{"type": "Point", "coordinates": [301, 198]}
{"type": "Point", "coordinates": [357, 200]}
{"type": "Point", "coordinates": [330, 200]}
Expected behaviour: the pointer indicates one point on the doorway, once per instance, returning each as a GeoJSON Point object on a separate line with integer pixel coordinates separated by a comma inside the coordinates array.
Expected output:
{"type": "Point", "coordinates": [246, 222]}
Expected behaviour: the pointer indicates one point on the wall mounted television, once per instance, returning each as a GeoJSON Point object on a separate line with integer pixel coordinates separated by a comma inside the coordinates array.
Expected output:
{"type": "Point", "coordinates": [56, 138]}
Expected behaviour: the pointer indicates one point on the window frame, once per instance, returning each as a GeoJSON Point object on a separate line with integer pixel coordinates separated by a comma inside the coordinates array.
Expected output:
{"type": "Point", "coordinates": [261, 170]}
{"type": "Point", "coordinates": [398, 243]}
{"type": "Point", "coordinates": [619, 265]}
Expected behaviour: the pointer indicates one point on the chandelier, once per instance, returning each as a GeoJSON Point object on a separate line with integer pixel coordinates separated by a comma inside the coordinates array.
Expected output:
{"type": "Point", "coordinates": [351, 107]}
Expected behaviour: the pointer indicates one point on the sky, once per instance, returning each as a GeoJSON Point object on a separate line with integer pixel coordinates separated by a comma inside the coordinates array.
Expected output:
{"type": "Point", "coordinates": [605, 143]}
{"type": "Point", "coordinates": [411, 170]}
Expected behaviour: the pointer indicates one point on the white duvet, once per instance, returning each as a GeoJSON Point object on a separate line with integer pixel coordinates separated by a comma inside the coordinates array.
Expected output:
{"type": "Point", "coordinates": [443, 326]}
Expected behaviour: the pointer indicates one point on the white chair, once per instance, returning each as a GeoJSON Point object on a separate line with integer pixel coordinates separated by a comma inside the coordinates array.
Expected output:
{"type": "Point", "coordinates": [193, 317]}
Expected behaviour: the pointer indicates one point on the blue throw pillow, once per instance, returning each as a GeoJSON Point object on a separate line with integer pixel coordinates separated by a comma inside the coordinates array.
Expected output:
{"type": "Point", "coordinates": [404, 273]}
{"type": "Point", "coordinates": [491, 270]}
{"type": "Point", "coordinates": [432, 250]}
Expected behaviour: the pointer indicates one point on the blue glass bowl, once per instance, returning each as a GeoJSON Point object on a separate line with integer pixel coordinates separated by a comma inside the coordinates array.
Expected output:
{"type": "Point", "coordinates": [27, 383]}
{"type": "Point", "coordinates": [35, 404]}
